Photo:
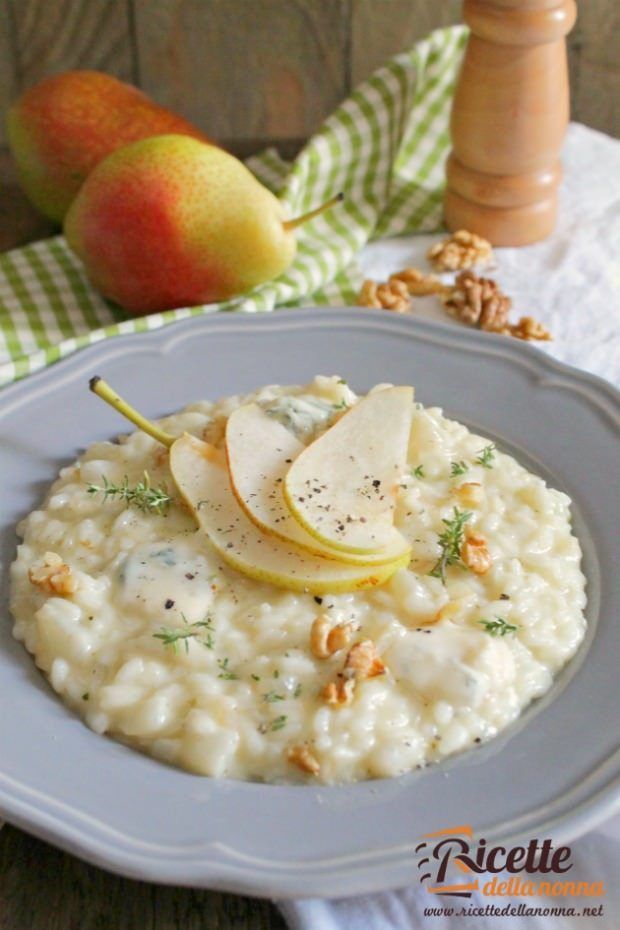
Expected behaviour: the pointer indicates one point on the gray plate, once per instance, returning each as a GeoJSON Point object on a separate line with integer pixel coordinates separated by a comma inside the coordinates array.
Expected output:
{"type": "Point", "coordinates": [557, 773]}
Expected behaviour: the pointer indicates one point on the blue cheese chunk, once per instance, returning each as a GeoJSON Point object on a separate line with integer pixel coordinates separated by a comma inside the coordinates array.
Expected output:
{"type": "Point", "coordinates": [163, 579]}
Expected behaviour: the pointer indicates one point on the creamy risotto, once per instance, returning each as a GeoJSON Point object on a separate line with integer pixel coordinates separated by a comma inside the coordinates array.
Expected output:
{"type": "Point", "coordinates": [150, 637]}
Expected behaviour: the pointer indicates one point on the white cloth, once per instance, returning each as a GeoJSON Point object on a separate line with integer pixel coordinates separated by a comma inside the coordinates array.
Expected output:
{"type": "Point", "coordinates": [595, 857]}
{"type": "Point", "coordinates": [571, 283]}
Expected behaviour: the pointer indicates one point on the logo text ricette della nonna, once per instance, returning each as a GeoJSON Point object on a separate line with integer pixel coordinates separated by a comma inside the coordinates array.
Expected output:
{"type": "Point", "coordinates": [453, 849]}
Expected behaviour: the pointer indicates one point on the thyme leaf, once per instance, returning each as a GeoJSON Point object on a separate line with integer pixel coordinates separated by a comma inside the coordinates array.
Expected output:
{"type": "Point", "coordinates": [225, 671]}
{"type": "Point", "coordinates": [271, 697]}
{"type": "Point", "coordinates": [458, 468]}
{"type": "Point", "coordinates": [486, 456]}
{"type": "Point", "coordinates": [172, 636]}
{"type": "Point", "coordinates": [498, 627]}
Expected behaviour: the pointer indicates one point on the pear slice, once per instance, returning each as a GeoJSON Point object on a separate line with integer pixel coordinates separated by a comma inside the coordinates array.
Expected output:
{"type": "Point", "coordinates": [260, 451]}
{"type": "Point", "coordinates": [200, 473]}
{"type": "Point", "coordinates": [342, 487]}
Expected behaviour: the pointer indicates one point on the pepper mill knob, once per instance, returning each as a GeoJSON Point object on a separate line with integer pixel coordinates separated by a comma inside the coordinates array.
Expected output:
{"type": "Point", "coordinates": [509, 117]}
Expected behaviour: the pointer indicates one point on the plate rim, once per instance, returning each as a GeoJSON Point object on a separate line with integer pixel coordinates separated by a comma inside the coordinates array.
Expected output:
{"type": "Point", "coordinates": [431, 331]}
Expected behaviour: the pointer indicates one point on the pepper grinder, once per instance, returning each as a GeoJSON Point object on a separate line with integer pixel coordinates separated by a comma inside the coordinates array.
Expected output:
{"type": "Point", "coordinates": [509, 117]}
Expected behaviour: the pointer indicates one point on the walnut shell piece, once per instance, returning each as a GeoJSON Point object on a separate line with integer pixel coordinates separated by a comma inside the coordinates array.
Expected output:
{"type": "Point", "coordinates": [339, 693]}
{"type": "Point", "coordinates": [529, 329]}
{"type": "Point", "coordinates": [463, 249]}
{"type": "Point", "coordinates": [475, 554]}
{"type": "Point", "coordinates": [417, 283]}
{"type": "Point", "coordinates": [53, 576]}
{"type": "Point", "coordinates": [318, 637]}
{"type": "Point", "coordinates": [367, 296]}
{"type": "Point", "coordinates": [470, 493]}
{"type": "Point", "coordinates": [363, 661]}
{"type": "Point", "coordinates": [301, 756]}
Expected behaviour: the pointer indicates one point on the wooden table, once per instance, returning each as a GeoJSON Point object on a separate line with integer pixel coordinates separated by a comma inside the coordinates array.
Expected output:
{"type": "Point", "coordinates": [42, 888]}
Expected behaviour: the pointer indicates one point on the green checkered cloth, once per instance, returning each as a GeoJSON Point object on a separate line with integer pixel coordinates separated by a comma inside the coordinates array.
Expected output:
{"type": "Point", "coordinates": [385, 147]}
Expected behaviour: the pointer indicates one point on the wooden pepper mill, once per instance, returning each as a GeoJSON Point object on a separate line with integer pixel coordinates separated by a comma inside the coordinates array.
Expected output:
{"type": "Point", "coordinates": [509, 117]}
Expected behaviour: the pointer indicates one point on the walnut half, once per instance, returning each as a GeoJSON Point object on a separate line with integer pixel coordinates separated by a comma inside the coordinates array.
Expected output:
{"type": "Point", "coordinates": [479, 302]}
{"type": "Point", "coordinates": [325, 640]}
{"type": "Point", "coordinates": [392, 295]}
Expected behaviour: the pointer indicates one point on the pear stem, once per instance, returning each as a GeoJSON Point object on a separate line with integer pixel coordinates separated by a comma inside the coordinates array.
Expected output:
{"type": "Point", "coordinates": [300, 220]}
{"type": "Point", "coordinates": [103, 390]}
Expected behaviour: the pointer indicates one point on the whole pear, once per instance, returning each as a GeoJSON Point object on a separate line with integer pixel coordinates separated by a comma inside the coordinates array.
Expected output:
{"type": "Point", "coordinates": [63, 126]}
{"type": "Point", "coordinates": [173, 222]}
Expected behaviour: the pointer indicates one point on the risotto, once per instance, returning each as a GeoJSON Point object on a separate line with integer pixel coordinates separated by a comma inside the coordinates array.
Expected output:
{"type": "Point", "coordinates": [145, 631]}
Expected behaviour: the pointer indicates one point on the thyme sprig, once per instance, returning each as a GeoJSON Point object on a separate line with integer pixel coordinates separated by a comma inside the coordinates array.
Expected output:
{"type": "Point", "coordinates": [142, 496]}
{"type": "Point", "coordinates": [172, 636]}
{"type": "Point", "coordinates": [458, 468]}
{"type": "Point", "coordinates": [451, 541]}
{"type": "Point", "coordinates": [498, 627]}
{"type": "Point", "coordinates": [418, 471]}
{"type": "Point", "coordinates": [486, 456]}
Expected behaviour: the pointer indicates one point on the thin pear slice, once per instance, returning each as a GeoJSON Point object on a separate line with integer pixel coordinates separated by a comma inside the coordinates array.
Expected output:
{"type": "Point", "coordinates": [260, 451]}
{"type": "Point", "coordinates": [342, 487]}
{"type": "Point", "coordinates": [200, 473]}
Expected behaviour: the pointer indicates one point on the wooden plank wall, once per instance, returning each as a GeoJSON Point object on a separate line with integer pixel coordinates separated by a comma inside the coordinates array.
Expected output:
{"type": "Point", "coordinates": [257, 71]}
{"type": "Point", "coordinates": [249, 72]}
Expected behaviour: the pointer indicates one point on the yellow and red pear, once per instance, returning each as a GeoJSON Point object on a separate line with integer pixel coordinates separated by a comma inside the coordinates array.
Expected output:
{"type": "Point", "coordinates": [62, 127]}
{"type": "Point", "coordinates": [173, 222]}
